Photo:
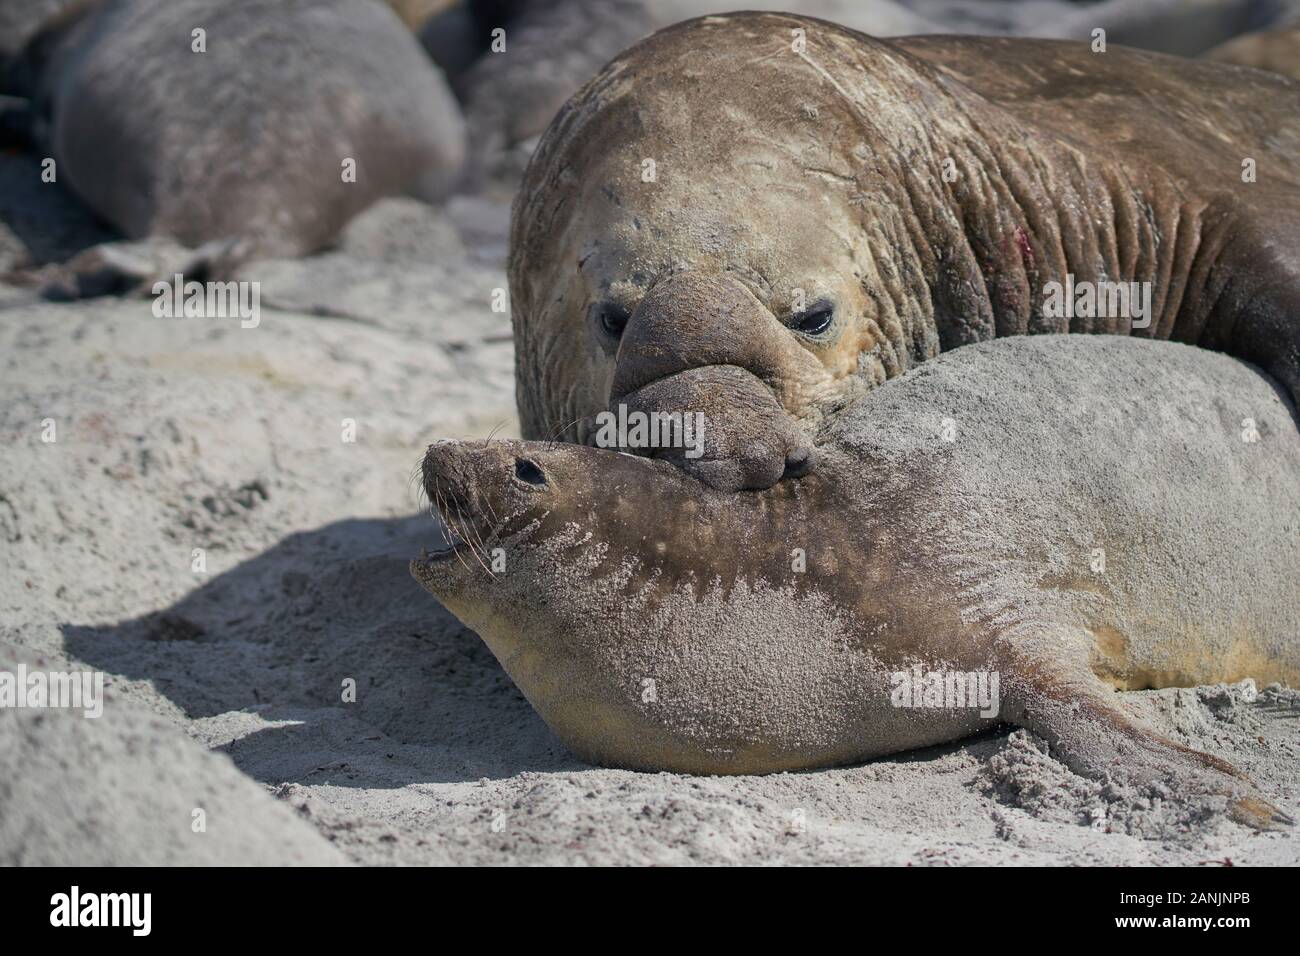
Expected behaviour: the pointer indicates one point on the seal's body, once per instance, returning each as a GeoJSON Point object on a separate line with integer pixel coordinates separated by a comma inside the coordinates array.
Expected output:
{"type": "Point", "coordinates": [825, 211]}
{"type": "Point", "coordinates": [245, 132]}
{"type": "Point", "coordinates": [1128, 516]}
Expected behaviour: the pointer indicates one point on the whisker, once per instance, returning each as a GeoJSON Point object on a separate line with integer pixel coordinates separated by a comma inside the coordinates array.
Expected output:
{"type": "Point", "coordinates": [553, 438]}
{"type": "Point", "coordinates": [460, 530]}
{"type": "Point", "coordinates": [421, 494]}
{"type": "Point", "coordinates": [470, 544]}
{"type": "Point", "coordinates": [456, 538]}
{"type": "Point", "coordinates": [483, 548]}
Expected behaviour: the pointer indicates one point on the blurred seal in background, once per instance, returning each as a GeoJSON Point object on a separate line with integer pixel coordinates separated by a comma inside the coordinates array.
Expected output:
{"type": "Point", "coordinates": [251, 128]}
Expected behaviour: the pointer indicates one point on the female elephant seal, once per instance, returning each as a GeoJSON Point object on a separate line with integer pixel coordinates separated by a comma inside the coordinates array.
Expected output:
{"type": "Point", "coordinates": [263, 134]}
{"type": "Point", "coordinates": [825, 210]}
{"type": "Point", "coordinates": [1128, 516]}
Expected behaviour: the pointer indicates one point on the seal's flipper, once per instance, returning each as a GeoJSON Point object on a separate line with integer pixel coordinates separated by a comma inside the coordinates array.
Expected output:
{"type": "Point", "coordinates": [132, 267]}
{"type": "Point", "coordinates": [1256, 315]}
{"type": "Point", "coordinates": [1087, 728]}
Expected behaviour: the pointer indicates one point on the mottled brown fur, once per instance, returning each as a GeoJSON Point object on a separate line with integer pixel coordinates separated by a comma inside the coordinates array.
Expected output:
{"type": "Point", "coordinates": [818, 176]}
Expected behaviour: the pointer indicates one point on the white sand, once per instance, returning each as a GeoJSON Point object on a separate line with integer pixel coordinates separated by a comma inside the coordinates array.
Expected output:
{"type": "Point", "coordinates": [183, 434]}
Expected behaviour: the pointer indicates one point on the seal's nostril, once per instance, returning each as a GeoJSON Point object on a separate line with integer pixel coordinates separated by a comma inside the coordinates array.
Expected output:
{"type": "Point", "coordinates": [527, 471]}
{"type": "Point", "coordinates": [799, 462]}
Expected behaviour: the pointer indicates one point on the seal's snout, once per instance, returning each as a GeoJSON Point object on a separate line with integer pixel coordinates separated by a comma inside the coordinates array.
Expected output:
{"type": "Point", "coordinates": [448, 468]}
{"type": "Point", "coordinates": [702, 347]}
{"type": "Point", "coordinates": [472, 486]}
{"type": "Point", "coordinates": [463, 479]}
{"type": "Point", "coordinates": [695, 319]}
{"type": "Point", "coordinates": [472, 473]}
{"type": "Point", "coordinates": [740, 436]}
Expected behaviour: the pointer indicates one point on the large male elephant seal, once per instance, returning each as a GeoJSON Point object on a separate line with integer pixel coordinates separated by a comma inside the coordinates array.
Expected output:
{"type": "Point", "coordinates": [825, 210]}
{"type": "Point", "coordinates": [1109, 514]}
{"type": "Point", "coordinates": [266, 131]}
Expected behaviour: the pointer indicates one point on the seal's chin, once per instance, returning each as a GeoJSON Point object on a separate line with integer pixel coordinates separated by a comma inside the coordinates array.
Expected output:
{"type": "Point", "coordinates": [434, 572]}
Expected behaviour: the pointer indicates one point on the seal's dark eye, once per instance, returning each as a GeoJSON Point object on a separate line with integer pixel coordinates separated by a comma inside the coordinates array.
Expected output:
{"type": "Point", "coordinates": [527, 471]}
{"type": "Point", "coordinates": [610, 317]}
{"type": "Point", "coordinates": [814, 320]}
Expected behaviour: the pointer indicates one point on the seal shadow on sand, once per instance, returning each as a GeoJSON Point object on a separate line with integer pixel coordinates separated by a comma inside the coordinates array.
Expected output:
{"type": "Point", "coordinates": [258, 656]}
{"type": "Point", "coordinates": [50, 223]}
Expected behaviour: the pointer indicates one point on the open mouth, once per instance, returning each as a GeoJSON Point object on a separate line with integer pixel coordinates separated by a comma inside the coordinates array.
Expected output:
{"type": "Point", "coordinates": [465, 540]}
{"type": "Point", "coordinates": [446, 550]}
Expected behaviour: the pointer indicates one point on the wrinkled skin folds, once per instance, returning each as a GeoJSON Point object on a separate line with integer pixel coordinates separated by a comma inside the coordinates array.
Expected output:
{"type": "Point", "coordinates": [824, 218]}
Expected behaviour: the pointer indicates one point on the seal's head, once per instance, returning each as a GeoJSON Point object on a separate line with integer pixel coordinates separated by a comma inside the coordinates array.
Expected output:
{"type": "Point", "coordinates": [656, 623]}
{"type": "Point", "coordinates": [715, 197]}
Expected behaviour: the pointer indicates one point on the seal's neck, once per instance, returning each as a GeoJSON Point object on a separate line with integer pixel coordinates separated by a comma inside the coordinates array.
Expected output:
{"type": "Point", "coordinates": [996, 216]}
